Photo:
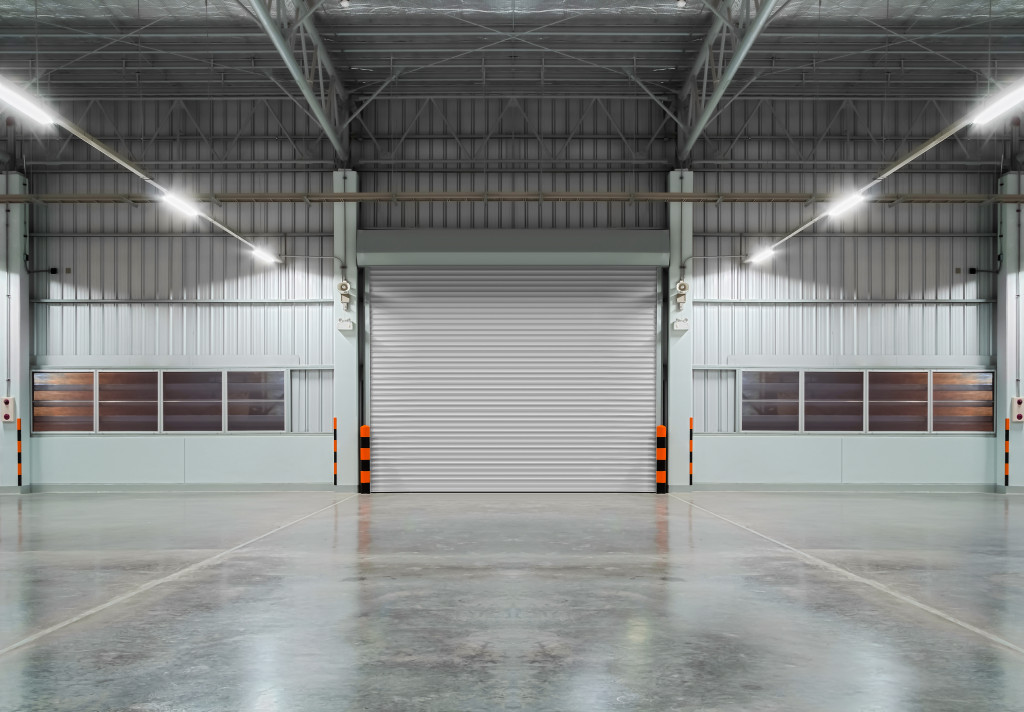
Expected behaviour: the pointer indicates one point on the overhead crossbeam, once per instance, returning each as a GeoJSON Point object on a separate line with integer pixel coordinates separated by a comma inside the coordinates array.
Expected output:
{"type": "Point", "coordinates": [750, 35]}
{"type": "Point", "coordinates": [272, 30]}
{"type": "Point", "coordinates": [519, 196]}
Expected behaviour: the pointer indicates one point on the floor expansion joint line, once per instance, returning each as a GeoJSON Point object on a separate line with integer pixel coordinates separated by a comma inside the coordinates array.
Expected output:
{"type": "Point", "coordinates": [150, 585]}
{"type": "Point", "coordinates": [840, 571]}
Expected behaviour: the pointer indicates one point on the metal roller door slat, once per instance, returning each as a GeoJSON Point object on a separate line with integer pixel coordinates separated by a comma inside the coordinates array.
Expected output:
{"type": "Point", "coordinates": [512, 379]}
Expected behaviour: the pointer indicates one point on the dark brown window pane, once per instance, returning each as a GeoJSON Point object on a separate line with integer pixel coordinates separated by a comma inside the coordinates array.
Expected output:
{"type": "Point", "coordinates": [884, 416]}
{"type": "Point", "coordinates": [267, 415]}
{"type": "Point", "coordinates": [128, 386]}
{"type": "Point", "coordinates": [834, 386]}
{"type": "Point", "coordinates": [193, 401]}
{"type": "Point", "coordinates": [128, 401]}
{"type": "Point", "coordinates": [833, 401]}
{"type": "Point", "coordinates": [898, 401]}
{"type": "Point", "coordinates": [62, 417]}
{"type": "Point", "coordinates": [771, 385]}
{"type": "Point", "coordinates": [62, 402]}
{"type": "Point", "coordinates": [821, 416]}
{"type": "Point", "coordinates": [256, 385]}
{"type": "Point", "coordinates": [256, 400]}
{"type": "Point", "coordinates": [767, 415]}
{"type": "Point", "coordinates": [199, 416]}
{"type": "Point", "coordinates": [898, 386]}
{"type": "Point", "coordinates": [62, 386]}
{"type": "Point", "coordinates": [962, 402]}
{"type": "Point", "coordinates": [128, 416]}
{"type": "Point", "coordinates": [193, 385]}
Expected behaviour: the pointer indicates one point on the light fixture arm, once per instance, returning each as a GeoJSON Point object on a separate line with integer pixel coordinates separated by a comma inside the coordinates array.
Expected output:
{"type": "Point", "coordinates": [134, 168]}
{"type": "Point", "coordinates": [899, 163]}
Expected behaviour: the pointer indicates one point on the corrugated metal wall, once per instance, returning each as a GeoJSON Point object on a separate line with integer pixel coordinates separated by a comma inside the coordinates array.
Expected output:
{"type": "Point", "coordinates": [884, 255]}
{"type": "Point", "coordinates": [139, 285]}
{"type": "Point", "coordinates": [884, 285]}
{"type": "Point", "coordinates": [180, 296]}
{"type": "Point", "coordinates": [916, 298]}
{"type": "Point", "coordinates": [524, 144]}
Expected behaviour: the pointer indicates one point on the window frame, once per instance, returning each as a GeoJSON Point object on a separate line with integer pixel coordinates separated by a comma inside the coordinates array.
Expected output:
{"type": "Point", "coordinates": [97, 401]}
{"type": "Point", "coordinates": [863, 401]}
{"type": "Point", "coordinates": [927, 401]}
{"type": "Point", "coordinates": [866, 402]}
{"type": "Point", "coordinates": [94, 402]}
{"type": "Point", "coordinates": [740, 400]}
{"type": "Point", "coordinates": [931, 393]}
{"type": "Point", "coordinates": [163, 401]}
{"type": "Point", "coordinates": [286, 402]}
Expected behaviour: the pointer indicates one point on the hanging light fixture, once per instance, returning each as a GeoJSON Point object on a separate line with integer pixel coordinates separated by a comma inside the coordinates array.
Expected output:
{"type": "Point", "coordinates": [264, 256]}
{"type": "Point", "coordinates": [24, 103]}
{"type": "Point", "coordinates": [846, 204]}
{"type": "Point", "coordinates": [1000, 105]}
{"type": "Point", "coordinates": [181, 205]}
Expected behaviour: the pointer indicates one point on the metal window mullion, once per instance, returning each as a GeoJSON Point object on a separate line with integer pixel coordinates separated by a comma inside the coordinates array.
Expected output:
{"type": "Point", "coordinates": [95, 401]}
{"type": "Point", "coordinates": [287, 401]}
{"type": "Point", "coordinates": [931, 401]}
{"type": "Point", "coordinates": [223, 401]}
{"type": "Point", "coordinates": [864, 401]}
{"type": "Point", "coordinates": [160, 401]}
{"type": "Point", "coordinates": [739, 400]}
{"type": "Point", "coordinates": [800, 402]}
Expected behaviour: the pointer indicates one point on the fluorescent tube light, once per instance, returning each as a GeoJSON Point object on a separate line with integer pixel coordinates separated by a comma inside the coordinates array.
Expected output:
{"type": "Point", "coordinates": [25, 104]}
{"type": "Point", "coordinates": [263, 255]}
{"type": "Point", "coordinates": [1000, 105]}
{"type": "Point", "coordinates": [763, 255]}
{"type": "Point", "coordinates": [845, 204]}
{"type": "Point", "coordinates": [181, 205]}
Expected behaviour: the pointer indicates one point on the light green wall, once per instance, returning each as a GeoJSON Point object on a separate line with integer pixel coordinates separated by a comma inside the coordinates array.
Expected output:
{"type": "Point", "coordinates": [836, 460]}
{"type": "Point", "coordinates": [182, 460]}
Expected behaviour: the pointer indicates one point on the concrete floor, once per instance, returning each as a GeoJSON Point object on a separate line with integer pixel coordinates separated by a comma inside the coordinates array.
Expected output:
{"type": "Point", "coordinates": [314, 601]}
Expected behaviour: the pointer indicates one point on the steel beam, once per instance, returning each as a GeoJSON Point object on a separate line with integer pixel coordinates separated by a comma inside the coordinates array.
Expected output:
{"type": "Point", "coordinates": [759, 22]}
{"type": "Point", "coordinates": [516, 196]}
{"type": "Point", "coordinates": [274, 33]}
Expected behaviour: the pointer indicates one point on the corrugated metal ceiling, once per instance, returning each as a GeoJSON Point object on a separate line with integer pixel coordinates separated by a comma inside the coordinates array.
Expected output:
{"type": "Point", "coordinates": [190, 10]}
{"type": "Point", "coordinates": [924, 48]}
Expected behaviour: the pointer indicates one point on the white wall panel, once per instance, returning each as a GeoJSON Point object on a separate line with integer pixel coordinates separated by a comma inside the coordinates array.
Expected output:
{"type": "Point", "coordinates": [180, 296]}
{"type": "Point", "coordinates": [530, 144]}
{"type": "Point", "coordinates": [714, 401]}
{"type": "Point", "coordinates": [312, 401]}
{"type": "Point", "coordinates": [845, 296]}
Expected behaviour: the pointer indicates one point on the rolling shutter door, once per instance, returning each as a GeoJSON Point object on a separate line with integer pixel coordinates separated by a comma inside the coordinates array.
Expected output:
{"type": "Point", "coordinates": [512, 379]}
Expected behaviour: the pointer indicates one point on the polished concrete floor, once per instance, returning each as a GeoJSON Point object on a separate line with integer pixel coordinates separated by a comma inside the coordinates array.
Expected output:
{"type": "Point", "coordinates": [299, 602]}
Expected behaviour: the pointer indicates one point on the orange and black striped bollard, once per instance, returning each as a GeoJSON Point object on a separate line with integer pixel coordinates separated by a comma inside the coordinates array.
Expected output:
{"type": "Point", "coordinates": [364, 459]}
{"type": "Point", "coordinates": [691, 451]}
{"type": "Point", "coordinates": [1006, 454]}
{"type": "Point", "coordinates": [19, 451]}
{"type": "Point", "coordinates": [661, 478]}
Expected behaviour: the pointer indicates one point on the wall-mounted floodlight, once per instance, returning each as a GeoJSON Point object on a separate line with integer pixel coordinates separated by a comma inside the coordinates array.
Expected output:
{"type": "Point", "coordinates": [1000, 105]}
{"type": "Point", "coordinates": [181, 205]}
{"type": "Point", "coordinates": [344, 4]}
{"type": "Point", "coordinates": [680, 4]}
{"type": "Point", "coordinates": [264, 256]}
{"type": "Point", "coordinates": [761, 256]}
{"type": "Point", "coordinates": [846, 204]}
{"type": "Point", "coordinates": [27, 105]}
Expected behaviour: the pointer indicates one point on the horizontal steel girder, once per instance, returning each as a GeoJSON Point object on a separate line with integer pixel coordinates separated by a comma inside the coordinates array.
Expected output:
{"type": "Point", "coordinates": [513, 196]}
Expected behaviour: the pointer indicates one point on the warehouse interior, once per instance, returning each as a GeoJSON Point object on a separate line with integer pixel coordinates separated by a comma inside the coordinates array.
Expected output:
{"type": "Point", "coordinates": [509, 354]}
